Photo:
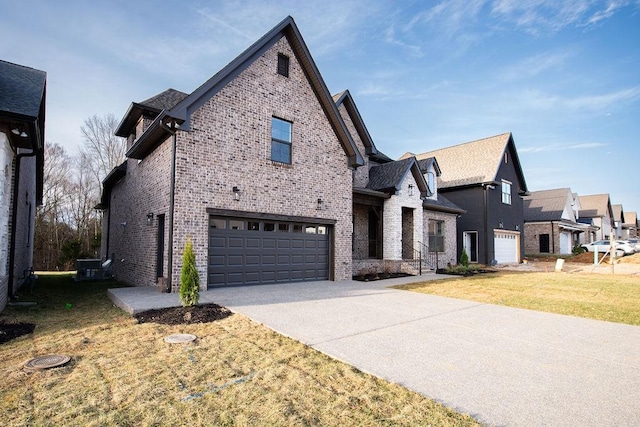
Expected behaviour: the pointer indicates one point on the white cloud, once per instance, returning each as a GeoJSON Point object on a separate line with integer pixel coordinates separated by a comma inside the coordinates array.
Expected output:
{"type": "Point", "coordinates": [559, 147]}
{"type": "Point", "coordinates": [540, 17]}
{"type": "Point", "coordinates": [536, 65]}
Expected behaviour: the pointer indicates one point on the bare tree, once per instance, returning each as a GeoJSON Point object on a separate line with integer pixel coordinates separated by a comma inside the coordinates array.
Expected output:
{"type": "Point", "coordinates": [104, 150]}
{"type": "Point", "coordinates": [51, 217]}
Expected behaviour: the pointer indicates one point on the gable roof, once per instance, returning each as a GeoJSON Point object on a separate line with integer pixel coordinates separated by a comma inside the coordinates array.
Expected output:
{"type": "Point", "coordinates": [476, 162]}
{"type": "Point", "coordinates": [426, 163]}
{"type": "Point", "coordinates": [152, 106]}
{"type": "Point", "coordinates": [630, 219]}
{"type": "Point", "coordinates": [388, 177]}
{"type": "Point", "coordinates": [180, 114]}
{"type": "Point", "coordinates": [22, 102]}
{"type": "Point", "coordinates": [595, 205]}
{"type": "Point", "coordinates": [345, 98]}
{"type": "Point", "coordinates": [618, 215]}
{"type": "Point", "coordinates": [546, 205]}
{"type": "Point", "coordinates": [23, 93]}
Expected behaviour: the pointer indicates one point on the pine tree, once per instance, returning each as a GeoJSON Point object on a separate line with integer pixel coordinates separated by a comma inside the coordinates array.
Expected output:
{"type": "Point", "coordinates": [189, 279]}
{"type": "Point", "coordinates": [464, 258]}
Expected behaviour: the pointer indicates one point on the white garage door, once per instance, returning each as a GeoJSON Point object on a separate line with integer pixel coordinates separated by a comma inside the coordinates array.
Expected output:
{"type": "Point", "coordinates": [506, 246]}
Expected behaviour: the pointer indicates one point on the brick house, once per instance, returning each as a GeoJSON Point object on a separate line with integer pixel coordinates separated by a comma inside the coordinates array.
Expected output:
{"type": "Point", "coordinates": [255, 167]}
{"type": "Point", "coordinates": [271, 178]}
{"type": "Point", "coordinates": [485, 178]}
{"type": "Point", "coordinates": [400, 221]}
{"type": "Point", "coordinates": [22, 117]}
{"type": "Point", "coordinates": [551, 221]}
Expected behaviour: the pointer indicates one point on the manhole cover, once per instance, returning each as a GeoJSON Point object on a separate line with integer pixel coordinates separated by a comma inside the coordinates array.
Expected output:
{"type": "Point", "coordinates": [179, 338]}
{"type": "Point", "coordinates": [46, 362]}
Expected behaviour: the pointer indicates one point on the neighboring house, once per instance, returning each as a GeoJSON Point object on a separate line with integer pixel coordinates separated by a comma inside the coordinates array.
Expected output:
{"type": "Point", "coordinates": [485, 178]}
{"type": "Point", "coordinates": [398, 216]}
{"type": "Point", "coordinates": [618, 220]}
{"type": "Point", "coordinates": [255, 167]}
{"type": "Point", "coordinates": [630, 226]}
{"type": "Point", "coordinates": [551, 222]}
{"type": "Point", "coordinates": [22, 116]}
{"type": "Point", "coordinates": [596, 210]}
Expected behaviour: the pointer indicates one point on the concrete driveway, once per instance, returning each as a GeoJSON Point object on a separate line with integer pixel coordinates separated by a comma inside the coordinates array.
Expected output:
{"type": "Point", "coordinates": [503, 366]}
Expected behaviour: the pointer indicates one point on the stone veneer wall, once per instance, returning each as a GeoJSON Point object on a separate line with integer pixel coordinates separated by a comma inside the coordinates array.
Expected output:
{"type": "Point", "coordinates": [392, 213]}
{"type": "Point", "coordinates": [230, 145]}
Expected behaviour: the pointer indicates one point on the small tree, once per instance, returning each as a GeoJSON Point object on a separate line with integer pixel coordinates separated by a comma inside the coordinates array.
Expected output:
{"type": "Point", "coordinates": [464, 258]}
{"type": "Point", "coordinates": [189, 279]}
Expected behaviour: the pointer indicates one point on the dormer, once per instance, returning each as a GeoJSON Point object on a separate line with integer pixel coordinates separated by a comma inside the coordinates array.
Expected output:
{"type": "Point", "coordinates": [140, 115]}
{"type": "Point", "coordinates": [431, 171]}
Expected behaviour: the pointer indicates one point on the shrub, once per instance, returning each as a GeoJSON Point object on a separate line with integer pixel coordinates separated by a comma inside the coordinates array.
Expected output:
{"type": "Point", "coordinates": [577, 249]}
{"type": "Point", "coordinates": [189, 279]}
{"type": "Point", "coordinates": [464, 258]}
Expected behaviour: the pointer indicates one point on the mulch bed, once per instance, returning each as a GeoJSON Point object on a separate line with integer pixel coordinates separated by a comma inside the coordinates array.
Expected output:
{"type": "Point", "coordinates": [380, 276]}
{"type": "Point", "coordinates": [203, 313]}
{"type": "Point", "coordinates": [9, 331]}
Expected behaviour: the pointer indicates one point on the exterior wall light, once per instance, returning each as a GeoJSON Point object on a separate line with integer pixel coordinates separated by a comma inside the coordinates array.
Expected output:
{"type": "Point", "coordinates": [236, 193]}
{"type": "Point", "coordinates": [319, 207]}
{"type": "Point", "coordinates": [150, 218]}
{"type": "Point", "coordinates": [410, 189]}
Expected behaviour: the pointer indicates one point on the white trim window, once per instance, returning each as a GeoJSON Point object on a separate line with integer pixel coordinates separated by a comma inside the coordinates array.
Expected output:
{"type": "Point", "coordinates": [506, 192]}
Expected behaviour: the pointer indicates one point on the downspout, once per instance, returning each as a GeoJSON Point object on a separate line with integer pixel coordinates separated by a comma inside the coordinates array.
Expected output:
{"type": "Point", "coordinates": [553, 239]}
{"type": "Point", "coordinates": [171, 202]}
{"type": "Point", "coordinates": [14, 222]}
{"type": "Point", "coordinates": [486, 226]}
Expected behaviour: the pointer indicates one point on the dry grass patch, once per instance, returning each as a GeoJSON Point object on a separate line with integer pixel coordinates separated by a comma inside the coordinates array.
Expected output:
{"type": "Point", "coordinates": [613, 298]}
{"type": "Point", "coordinates": [236, 373]}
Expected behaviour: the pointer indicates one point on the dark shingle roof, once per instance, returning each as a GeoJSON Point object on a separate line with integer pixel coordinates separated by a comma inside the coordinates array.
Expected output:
{"type": "Point", "coordinates": [442, 204]}
{"type": "Point", "coordinates": [389, 175]}
{"type": "Point", "coordinates": [21, 89]}
{"type": "Point", "coordinates": [545, 205]}
{"type": "Point", "coordinates": [165, 100]}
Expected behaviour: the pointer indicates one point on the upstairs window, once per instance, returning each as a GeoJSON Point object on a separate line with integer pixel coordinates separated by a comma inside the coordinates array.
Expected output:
{"type": "Point", "coordinates": [431, 182]}
{"type": "Point", "coordinates": [280, 140]}
{"type": "Point", "coordinates": [283, 65]}
{"type": "Point", "coordinates": [506, 192]}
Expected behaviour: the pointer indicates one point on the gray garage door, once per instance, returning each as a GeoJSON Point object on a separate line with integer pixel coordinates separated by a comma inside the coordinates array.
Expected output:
{"type": "Point", "coordinates": [246, 251]}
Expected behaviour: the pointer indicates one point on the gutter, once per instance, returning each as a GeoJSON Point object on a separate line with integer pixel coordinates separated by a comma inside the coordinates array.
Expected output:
{"type": "Point", "coordinates": [14, 222]}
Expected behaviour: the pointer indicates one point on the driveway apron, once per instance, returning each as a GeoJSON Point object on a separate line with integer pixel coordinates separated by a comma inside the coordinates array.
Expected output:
{"type": "Point", "coordinates": [503, 366]}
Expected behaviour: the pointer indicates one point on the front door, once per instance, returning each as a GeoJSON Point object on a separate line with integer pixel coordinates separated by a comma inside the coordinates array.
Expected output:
{"type": "Point", "coordinates": [544, 243]}
{"type": "Point", "coordinates": [470, 239]}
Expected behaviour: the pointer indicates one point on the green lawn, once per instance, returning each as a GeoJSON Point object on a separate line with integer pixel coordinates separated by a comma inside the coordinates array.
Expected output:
{"type": "Point", "coordinates": [614, 298]}
{"type": "Point", "coordinates": [237, 372]}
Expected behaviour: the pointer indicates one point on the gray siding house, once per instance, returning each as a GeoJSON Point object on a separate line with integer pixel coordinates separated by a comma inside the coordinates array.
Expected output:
{"type": "Point", "coordinates": [485, 178]}
{"type": "Point", "coordinates": [22, 117]}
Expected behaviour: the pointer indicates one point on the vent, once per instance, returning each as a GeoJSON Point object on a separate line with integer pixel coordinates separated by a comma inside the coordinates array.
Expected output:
{"type": "Point", "coordinates": [283, 65]}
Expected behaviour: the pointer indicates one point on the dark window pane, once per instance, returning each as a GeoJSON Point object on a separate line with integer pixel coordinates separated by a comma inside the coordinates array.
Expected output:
{"type": "Point", "coordinates": [280, 152]}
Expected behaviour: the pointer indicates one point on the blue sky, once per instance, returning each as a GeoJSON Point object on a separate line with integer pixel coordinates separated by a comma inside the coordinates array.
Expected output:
{"type": "Point", "coordinates": [562, 76]}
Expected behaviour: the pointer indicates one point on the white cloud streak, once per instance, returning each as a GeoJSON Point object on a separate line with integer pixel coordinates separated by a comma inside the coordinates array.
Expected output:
{"type": "Point", "coordinates": [545, 148]}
